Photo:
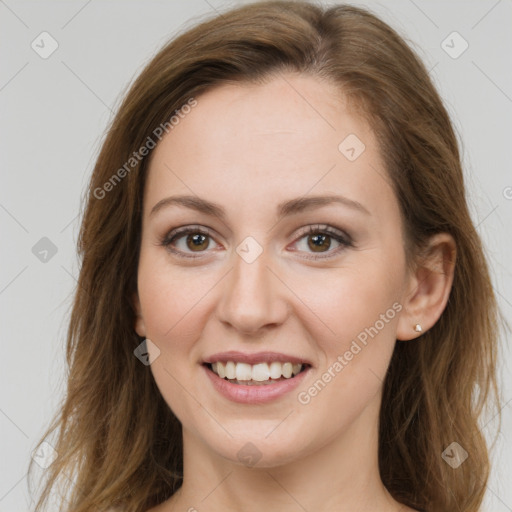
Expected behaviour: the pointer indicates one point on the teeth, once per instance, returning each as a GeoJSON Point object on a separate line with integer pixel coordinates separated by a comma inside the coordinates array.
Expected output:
{"type": "Point", "coordinates": [243, 371]}
{"type": "Point", "coordinates": [260, 372]}
{"type": "Point", "coordinates": [220, 370]}
{"type": "Point", "coordinates": [275, 370]}
{"type": "Point", "coordinates": [230, 369]}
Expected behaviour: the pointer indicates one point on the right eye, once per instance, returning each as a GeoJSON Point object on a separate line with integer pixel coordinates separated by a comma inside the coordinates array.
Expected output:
{"type": "Point", "coordinates": [186, 241]}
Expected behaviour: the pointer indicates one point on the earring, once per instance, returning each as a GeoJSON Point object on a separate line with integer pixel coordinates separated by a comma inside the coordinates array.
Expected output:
{"type": "Point", "coordinates": [418, 328]}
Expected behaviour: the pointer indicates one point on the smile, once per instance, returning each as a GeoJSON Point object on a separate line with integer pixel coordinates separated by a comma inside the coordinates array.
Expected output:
{"type": "Point", "coordinates": [256, 374]}
{"type": "Point", "coordinates": [255, 378]}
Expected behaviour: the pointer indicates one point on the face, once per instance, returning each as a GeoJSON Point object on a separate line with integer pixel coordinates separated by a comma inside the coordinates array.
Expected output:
{"type": "Point", "coordinates": [287, 249]}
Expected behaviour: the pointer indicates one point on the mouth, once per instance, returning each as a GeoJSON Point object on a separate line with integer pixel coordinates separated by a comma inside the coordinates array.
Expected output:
{"type": "Point", "coordinates": [261, 373]}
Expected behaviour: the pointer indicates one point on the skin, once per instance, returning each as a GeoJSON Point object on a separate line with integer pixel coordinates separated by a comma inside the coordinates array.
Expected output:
{"type": "Point", "coordinates": [248, 148]}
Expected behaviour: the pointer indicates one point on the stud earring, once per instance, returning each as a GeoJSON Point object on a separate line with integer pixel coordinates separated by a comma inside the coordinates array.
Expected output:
{"type": "Point", "coordinates": [418, 328]}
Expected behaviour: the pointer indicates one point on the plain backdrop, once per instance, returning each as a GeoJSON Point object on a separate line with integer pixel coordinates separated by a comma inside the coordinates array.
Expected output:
{"type": "Point", "coordinates": [54, 111]}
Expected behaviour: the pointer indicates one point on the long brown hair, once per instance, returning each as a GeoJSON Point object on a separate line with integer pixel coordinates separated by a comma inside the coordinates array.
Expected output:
{"type": "Point", "coordinates": [116, 438]}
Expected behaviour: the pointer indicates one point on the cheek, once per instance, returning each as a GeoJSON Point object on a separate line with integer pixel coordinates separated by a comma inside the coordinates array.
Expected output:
{"type": "Point", "coordinates": [351, 299]}
{"type": "Point", "coordinates": [172, 305]}
{"type": "Point", "coordinates": [355, 360]}
{"type": "Point", "coordinates": [359, 304]}
{"type": "Point", "coordinates": [170, 297]}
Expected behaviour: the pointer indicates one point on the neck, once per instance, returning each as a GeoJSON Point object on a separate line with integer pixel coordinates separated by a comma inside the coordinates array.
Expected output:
{"type": "Point", "coordinates": [343, 476]}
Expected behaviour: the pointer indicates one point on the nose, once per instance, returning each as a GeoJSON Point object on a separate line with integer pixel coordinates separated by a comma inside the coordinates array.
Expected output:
{"type": "Point", "coordinates": [252, 299]}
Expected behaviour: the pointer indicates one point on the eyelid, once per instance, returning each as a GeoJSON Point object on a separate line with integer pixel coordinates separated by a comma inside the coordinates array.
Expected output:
{"type": "Point", "coordinates": [323, 228]}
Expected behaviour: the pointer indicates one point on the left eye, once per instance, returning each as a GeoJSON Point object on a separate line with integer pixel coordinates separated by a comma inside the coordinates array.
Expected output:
{"type": "Point", "coordinates": [318, 239]}
{"type": "Point", "coordinates": [319, 242]}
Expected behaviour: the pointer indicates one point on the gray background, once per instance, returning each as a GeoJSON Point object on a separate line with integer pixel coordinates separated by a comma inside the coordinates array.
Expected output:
{"type": "Point", "coordinates": [54, 112]}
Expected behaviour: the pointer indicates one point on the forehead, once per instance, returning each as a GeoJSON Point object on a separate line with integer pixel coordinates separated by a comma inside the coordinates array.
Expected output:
{"type": "Point", "coordinates": [287, 137]}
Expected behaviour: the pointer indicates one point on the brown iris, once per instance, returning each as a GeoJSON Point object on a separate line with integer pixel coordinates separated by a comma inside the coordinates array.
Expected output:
{"type": "Point", "coordinates": [197, 242]}
{"type": "Point", "coordinates": [319, 242]}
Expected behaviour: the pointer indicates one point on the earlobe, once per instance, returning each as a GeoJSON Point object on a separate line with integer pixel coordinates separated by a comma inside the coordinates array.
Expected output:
{"type": "Point", "coordinates": [139, 326]}
{"type": "Point", "coordinates": [429, 288]}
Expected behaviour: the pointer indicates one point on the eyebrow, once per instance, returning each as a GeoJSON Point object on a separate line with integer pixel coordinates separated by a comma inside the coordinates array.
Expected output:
{"type": "Point", "coordinates": [290, 207]}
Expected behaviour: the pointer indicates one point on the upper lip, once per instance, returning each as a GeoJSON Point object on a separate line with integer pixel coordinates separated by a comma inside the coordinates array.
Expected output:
{"type": "Point", "coordinates": [257, 357]}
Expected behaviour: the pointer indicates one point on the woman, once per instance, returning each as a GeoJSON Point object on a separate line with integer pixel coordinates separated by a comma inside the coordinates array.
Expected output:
{"type": "Point", "coordinates": [283, 303]}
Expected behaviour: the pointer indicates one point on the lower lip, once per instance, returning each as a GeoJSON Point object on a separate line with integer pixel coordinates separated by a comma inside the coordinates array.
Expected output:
{"type": "Point", "coordinates": [257, 394]}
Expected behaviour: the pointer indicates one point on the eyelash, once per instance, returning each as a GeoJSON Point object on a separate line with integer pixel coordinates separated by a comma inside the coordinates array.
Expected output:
{"type": "Point", "coordinates": [320, 229]}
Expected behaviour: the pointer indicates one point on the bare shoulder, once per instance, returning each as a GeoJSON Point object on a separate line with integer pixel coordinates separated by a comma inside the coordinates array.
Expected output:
{"type": "Point", "coordinates": [158, 508]}
{"type": "Point", "coordinates": [163, 507]}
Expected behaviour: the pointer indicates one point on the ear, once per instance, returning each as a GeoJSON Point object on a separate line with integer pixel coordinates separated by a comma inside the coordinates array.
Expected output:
{"type": "Point", "coordinates": [429, 287]}
{"type": "Point", "coordinates": [140, 328]}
